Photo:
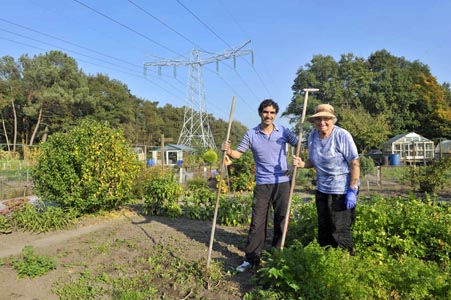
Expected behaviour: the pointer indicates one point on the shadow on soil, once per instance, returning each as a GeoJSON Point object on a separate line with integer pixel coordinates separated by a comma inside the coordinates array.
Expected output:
{"type": "Point", "coordinates": [227, 246]}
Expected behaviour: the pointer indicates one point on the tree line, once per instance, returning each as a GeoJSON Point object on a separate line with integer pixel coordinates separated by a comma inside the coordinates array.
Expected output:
{"type": "Point", "coordinates": [375, 99]}
{"type": "Point", "coordinates": [48, 93]}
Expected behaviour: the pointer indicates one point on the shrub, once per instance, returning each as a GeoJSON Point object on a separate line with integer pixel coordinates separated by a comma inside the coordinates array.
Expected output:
{"type": "Point", "coordinates": [367, 165]}
{"type": "Point", "coordinates": [89, 168]}
{"type": "Point", "coordinates": [242, 173]}
{"type": "Point", "coordinates": [161, 196]}
{"type": "Point", "coordinates": [431, 177]}
{"type": "Point", "coordinates": [43, 218]}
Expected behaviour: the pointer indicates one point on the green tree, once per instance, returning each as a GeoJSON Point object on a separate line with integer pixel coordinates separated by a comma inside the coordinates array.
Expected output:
{"type": "Point", "coordinates": [173, 121]}
{"type": "Point", "coordinates": [382, 91]}
{"type": "Point", "coordinates": [368, 132]}
{"type": "Point", "coordinates": [54, 88]}
{"type": "Point", "coordinates": [89, 168]}
{"type": "Point", "coordinates": [210, 157]}
{"type": "Point", "coordinates": [10, 93]}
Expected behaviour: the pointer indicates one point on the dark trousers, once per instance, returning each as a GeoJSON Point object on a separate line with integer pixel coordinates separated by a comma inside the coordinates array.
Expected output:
{"type": "Point", "coordinates": [334, 221]}
{"type": "Point", "coordinates": [265, 195]}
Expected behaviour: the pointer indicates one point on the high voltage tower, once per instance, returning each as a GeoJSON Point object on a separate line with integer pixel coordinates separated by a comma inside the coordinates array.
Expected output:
{"type": "Point", "coordinates": [196, 129]}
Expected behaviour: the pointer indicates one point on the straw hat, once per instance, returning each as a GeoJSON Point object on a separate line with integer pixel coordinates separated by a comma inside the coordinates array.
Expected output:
{"type": "Point", "coordinates": [323, 110]}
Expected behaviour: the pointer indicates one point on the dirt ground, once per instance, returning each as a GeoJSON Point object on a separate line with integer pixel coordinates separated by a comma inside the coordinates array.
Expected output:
{"type": "Point", "coordinates": [74, 247]}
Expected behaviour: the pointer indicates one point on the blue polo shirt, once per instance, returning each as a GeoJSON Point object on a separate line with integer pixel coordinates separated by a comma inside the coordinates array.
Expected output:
{"type": "Point", "coordinates": [270, 152]}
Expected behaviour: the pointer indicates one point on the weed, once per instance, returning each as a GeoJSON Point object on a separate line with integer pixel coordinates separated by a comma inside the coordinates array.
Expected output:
{"type": "Point", "coordinates": [32, 265]}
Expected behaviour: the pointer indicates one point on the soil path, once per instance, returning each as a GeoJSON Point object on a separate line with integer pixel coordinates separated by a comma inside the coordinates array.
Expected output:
{"type": "Point", "coordinates": [13, 244]}
{"type": "Point", "coordinates": [81, 247]}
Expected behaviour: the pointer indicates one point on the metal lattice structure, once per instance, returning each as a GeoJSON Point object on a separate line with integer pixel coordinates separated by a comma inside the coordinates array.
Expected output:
{"type": "Point", "coordinates": [196, 129]}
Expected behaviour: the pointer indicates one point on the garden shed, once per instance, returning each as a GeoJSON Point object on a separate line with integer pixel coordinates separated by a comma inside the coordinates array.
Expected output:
{"type": "Point", "coordinates": [411, 148]}
{"type": "Point", "coordinates": [443, 149]}
{"type": "Point", "coordinates": [173, 154]}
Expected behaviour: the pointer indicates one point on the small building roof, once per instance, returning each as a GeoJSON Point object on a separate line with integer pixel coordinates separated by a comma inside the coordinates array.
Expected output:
{"type": "Point", "coordinates": [407, 138]}
{"type": "Point", "coordinates": [444, 145]}
{"type": "Point", "coordinates": [176, 147]}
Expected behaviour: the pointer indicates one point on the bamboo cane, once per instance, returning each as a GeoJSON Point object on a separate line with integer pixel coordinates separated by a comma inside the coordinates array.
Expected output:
{"type": "Point", "coordinates": [293, 180]}
{"type": "Point", "coordinates": [219, 187]}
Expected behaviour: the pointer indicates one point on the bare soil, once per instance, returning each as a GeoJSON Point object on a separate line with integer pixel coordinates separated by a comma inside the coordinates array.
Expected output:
{"type": "Point", "coordinates": [77, 247]}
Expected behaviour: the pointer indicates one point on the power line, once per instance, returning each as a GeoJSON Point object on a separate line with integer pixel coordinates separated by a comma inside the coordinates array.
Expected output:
{"type": "Point", "coordinates": [65, 41]}
{"type": "Point", "coordinates": [203, 23]}
{"type": "Point", "coordinates": [196, 129]}
{"type": "Point", "coordinates": [129, 28]}
{"type": "Point", "coordinates": [225, 42]}
{"type": "Point", "coordinates": [165, 25]}
{"type": "Point", "coordinates": [246, 34]}
{"type": "Point", "coordinates": [94, 64]}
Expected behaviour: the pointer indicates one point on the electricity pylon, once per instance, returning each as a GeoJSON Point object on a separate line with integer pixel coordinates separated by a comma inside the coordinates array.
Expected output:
{"type": "Point", "coordinates": [196, 129]}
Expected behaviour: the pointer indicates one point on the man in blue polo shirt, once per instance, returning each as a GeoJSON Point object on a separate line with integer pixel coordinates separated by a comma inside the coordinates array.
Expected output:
{"type": "Point", "coordinates": [268, 143]}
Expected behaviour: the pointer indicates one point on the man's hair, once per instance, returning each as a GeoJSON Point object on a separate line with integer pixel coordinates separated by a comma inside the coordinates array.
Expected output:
{"type": "Point", "coordinates": [266, 103]}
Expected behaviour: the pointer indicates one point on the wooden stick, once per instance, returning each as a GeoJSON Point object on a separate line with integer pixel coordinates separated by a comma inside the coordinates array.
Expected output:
{"type": "Point", "coordinates": [293, 178]}
{"type": "Point", "coordinates": [219, 186]}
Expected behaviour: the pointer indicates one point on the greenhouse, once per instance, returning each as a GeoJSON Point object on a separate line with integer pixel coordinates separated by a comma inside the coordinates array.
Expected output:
{"type": "Point", "coordinates": [411, 148]}
{"type": "Point", "coordinates": [443, 149]}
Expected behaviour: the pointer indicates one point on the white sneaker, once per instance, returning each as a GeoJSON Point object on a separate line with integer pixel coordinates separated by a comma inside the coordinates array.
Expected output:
{"type": "Point", "coordinates": [244, 266]}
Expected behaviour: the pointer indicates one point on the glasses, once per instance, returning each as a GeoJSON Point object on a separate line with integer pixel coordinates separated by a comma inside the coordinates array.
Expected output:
{"type": "Point", "coordinates": [319, 119]}
{"type": "Point", "coordinates": [269, 112]}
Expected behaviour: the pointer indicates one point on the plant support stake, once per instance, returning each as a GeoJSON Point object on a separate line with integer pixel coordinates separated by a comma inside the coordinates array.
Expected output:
{"type": "Point", "coordinates": [293, 178]}
{"type": "Point", "coordinates": [218, 194]}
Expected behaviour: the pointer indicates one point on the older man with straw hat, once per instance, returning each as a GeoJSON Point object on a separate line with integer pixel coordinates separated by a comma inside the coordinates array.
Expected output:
{"type": "Point", "coordinates": [333, 154]}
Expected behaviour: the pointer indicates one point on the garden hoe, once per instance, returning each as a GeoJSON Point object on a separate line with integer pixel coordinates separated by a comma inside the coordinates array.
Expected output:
{"type": "Point", "coordinates": [298, 150]}
{"type": "Point", "coordinates": [225, 162]}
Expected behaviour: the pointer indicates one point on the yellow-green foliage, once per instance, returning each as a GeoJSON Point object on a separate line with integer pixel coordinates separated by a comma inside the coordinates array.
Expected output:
{"type": "Point", "coordinates": [90, 168]}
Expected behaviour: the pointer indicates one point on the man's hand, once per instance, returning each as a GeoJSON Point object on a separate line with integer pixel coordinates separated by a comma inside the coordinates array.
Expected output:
{"type": "Point", "coordinates": [298, 162]}
{"type": "Point", "coordinates": [226, 146]}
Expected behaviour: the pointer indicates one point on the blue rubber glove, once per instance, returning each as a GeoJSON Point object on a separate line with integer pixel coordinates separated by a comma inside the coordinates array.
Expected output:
{"type": "Point", "coordinates": [351, 198]}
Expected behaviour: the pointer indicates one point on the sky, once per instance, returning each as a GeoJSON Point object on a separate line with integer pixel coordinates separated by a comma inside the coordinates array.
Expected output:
{"type": "Point", "coordinates": [273, 39]}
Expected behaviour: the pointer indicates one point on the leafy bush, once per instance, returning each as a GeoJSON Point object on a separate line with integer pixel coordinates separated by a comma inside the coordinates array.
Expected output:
{"type": "Point", "coordinates": [393, 227]}
{"type": "Point", "coordinates": [303, 222]}
{"type": "Point", "coordinates": [311, 272]}
{"type": "Point", "coordinates": [403, 248]}
{"type": "Point", "coordinates": [199, 200]}
{"type": "Point", "coordinates": [161, 197]}
{"type": "Point", "coordinates": [235, 210]}
{"type": "Point", "coordinates": [367, 165]}
{"type": "Point", "coordinates": [242, 173]}
{"type": "Point", "coordinates": [431, 177]}
{"type": "Point", "coordinates": [43, 218]}
{"type": "Point", "coordinates": [89, 168]}
{"type": "Point", "coordinates": [5, 224]}
{"type": "Point", "coordinates": [210, 157]}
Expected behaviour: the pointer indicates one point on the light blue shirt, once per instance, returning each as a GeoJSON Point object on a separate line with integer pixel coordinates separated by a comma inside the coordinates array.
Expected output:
{"type": "Point", "coordinates": [331, 158]}
{"type": "Point", "coordinates": [269, 153]}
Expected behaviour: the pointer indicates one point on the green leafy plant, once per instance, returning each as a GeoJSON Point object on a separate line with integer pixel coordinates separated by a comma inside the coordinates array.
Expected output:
{"type": "Point", "coordinates": [162, 196]}
{"type": "Point", "coordinates": [210, 157]}
{"type": "Point", "coordinates": [199, 200]}
{"type": "Point", "coordinates": [403, 248]}
{"type": "Point", "coordinates": [5, 224]}
{"type": "Point", "coordinates": [433, 176]}
{"type": "Point", "coordinates": [367, 165]}
{"type": "Point", "coordinates": [89, 168]}
{"type": "Point", "coordinates": [242, 173]}
{"type": "Point", "coordinates": [32, 265]}
{"type": "Point", "coordinates": [43, 218]}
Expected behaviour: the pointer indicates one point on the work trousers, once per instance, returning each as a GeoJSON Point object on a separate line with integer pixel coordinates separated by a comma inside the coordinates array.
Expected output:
{"type": "Point", "coordinates": [334, 221]}
{"type": "Point", "coordinates": [265, 195]}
